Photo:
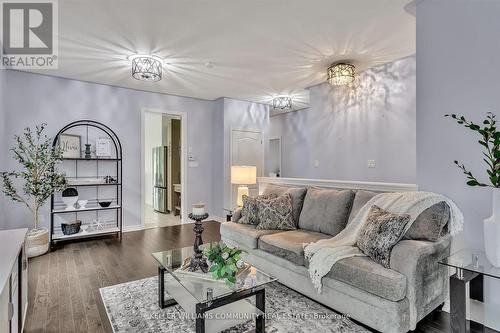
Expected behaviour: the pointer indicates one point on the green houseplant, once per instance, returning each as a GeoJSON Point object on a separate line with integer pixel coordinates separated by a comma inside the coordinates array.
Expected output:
{"type": "Point", "coordinates": [35, 181]}
{"type": "Point", "coordinates": [223, 261]}
{"type": "Point", "coordinates": [489, 140]}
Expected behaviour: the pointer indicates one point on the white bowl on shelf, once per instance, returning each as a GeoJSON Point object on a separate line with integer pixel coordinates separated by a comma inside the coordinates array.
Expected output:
{"type": "Point", "coordinates": [82, 203]}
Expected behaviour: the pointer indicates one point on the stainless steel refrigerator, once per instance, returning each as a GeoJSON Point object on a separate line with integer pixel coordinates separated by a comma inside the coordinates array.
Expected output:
{"type": "Point", "coordinates": [160, 179]}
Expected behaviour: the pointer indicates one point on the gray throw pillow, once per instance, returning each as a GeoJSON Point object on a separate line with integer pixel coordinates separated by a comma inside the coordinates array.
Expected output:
{"type": "Point", "coordinates": [249, 211]}
{"type": "Point", "coordinates": [276, 214]}
{"type": "Point", "coordinates": [380, 233]}
{"type": "Point", "coordinates": [297, 194]}
{"type": "Point", "coordinates": [360, 199]}
{"type": "Point", "coordinates": [326, 210]}
{"type": "Point", "coordinates": [430, 225]}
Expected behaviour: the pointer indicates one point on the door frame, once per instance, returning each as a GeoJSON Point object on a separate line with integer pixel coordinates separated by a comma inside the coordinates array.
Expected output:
{"type": "Point", "coordinates": [263, 155]}
{"type": "Point", "coordinates": [184, 192]}
{"type": "Point", "coordinates": [281, 152]}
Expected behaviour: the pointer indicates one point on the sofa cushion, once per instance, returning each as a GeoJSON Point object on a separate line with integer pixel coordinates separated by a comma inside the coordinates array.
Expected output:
{"type": "Point", "coordinates": [326, 210]}
{"type": "Point", "coordinates": [289, 244]}
{"type": "Point", "coordinates": [249, 211]}
{"type": "Point", "coordinates": [276, 214]}
{"type": "Point", "coordinates": [360, 199]}
{"type": "Point", "coordinates": [430, 224]}
{"type": "Point", "coordinates": [297, 194]}
{"type": "Point", "coordinates": [380, 233]}
{"type": "Point", "coordinates": [366, 274]}
{"type": "Point", "coordinates": [244, 234]}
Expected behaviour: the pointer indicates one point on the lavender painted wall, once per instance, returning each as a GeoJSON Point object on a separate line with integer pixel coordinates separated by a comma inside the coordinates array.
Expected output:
{"type": "Point", "coordinates": [458, 52]}
{"type": "Point", "coordinates": [344, 128]}
{"type": "Point", "coordinates": [29, 99]}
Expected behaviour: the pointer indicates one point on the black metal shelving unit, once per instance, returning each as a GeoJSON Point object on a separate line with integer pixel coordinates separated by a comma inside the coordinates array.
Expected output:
{"type": "Point", "coordinates": [56, 207]}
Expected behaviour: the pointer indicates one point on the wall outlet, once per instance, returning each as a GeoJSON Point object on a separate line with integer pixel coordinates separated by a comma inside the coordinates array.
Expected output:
{"type": "Point", "coordinates": [316, 163]}
{"type": "Point", "coordinates": [372, 164]}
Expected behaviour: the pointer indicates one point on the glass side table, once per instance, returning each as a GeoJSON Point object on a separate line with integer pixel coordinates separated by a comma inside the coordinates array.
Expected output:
{"type": "Point", "coordinates": [471, 268]}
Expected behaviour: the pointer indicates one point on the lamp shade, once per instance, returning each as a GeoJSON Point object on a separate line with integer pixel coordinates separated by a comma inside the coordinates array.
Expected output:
{"type": "Point", "coordinates": [243, 175]}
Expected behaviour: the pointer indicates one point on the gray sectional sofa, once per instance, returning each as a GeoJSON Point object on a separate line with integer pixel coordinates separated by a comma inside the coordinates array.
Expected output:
{"type": "Point", "coordinates": [387, 299]}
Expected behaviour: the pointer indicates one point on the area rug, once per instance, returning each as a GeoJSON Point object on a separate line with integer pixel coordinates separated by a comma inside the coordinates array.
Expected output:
{"type": "Point", "coordinates": [133, 307]}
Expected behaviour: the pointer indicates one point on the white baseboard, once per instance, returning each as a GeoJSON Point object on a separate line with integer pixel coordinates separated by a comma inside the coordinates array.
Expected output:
{"type": "Point", "coordinates": [137, 227]}
{"type": "Point", "coordinates": [218, 219]}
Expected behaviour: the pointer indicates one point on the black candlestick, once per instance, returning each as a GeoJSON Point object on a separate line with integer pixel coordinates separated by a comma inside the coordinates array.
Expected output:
{"type": "Point", "coordinates": [197, 260]}
{"type": "Point", "coordinates": [87, 151]}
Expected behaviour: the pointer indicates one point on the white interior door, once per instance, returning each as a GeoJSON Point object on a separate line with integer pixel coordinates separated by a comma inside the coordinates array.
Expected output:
{"type": "Point", "coordinates": [246, 149]}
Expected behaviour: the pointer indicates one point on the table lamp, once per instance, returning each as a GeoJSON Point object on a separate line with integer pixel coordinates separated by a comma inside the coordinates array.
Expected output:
{"type": "Point", "coordinates": [243, 175]}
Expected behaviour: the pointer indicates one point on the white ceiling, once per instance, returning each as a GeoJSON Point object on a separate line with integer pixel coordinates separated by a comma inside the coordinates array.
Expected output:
{"type": "Point", "coordinates": [258, 48]}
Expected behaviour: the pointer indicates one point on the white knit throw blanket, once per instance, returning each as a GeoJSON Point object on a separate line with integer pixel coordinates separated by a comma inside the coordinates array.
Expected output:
{"type": "Point", "coordinates": [322, 255]}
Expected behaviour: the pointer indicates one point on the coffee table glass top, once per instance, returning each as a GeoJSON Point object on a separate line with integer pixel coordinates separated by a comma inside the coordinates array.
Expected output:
{"type": "Point", "coordinates": [472, 261]}
{"type": "Point", "coordinates": [199, 284]}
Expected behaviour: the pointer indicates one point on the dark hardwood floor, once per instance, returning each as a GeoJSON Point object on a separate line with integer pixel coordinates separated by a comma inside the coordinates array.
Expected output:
{"type": "Point", "coordinates": [64, 284]}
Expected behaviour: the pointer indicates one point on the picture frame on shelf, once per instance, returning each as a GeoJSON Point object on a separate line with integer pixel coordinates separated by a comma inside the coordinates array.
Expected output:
{"type": "Point", "coordinates": [103, 147]}
{"type": "Point", "coordinates": [71, 145]}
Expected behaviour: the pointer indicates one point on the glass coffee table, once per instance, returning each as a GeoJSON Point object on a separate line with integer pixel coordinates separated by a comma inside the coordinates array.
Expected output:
{"type": "Point", "coordinates": [214, 304]}
{"type": "Point", "coordinates": [471, 268]}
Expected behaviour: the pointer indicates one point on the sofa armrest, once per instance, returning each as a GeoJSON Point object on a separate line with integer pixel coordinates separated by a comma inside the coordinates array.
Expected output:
{"type": "Point", "coordinates": [426, 279]}
{"type": "Point", "coordinates": [236, 215]}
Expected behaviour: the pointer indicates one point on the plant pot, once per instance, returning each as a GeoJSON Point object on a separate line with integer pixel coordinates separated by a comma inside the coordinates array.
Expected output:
{"type": "Point", "coordinates": [37, 242]}
{"type": "Point", "coordinates": [492, 231]}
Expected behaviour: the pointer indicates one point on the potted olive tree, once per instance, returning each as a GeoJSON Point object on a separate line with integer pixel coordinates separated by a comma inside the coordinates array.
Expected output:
{"type": "Point", "coordinates": [35, 181]}
{"type": "Point", "coordinates": [489, 139]}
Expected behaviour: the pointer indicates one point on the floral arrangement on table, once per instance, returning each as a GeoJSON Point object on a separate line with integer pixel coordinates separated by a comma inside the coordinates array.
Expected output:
{"type": "Point", "coordinates": [224, 261]}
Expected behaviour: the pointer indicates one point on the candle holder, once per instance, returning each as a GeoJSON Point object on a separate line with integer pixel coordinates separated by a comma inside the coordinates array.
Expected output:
{"type": "Point", "coordinates": [197, 261]}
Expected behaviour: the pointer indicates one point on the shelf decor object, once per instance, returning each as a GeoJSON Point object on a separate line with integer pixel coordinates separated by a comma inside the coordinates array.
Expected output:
{"type": "Point", "coordinates": [147, 68]}
{"type": "Point", "coordinates": [70, 144]}
{"type": "Point", "coordinates": [90, 177]}
{"type": "Point", "coordinates": [341, 74]}
{"type": "Point", "coordinates": [197, 260]}
{"type": "Point", "coordinates": [282, 103]}
{"type": "Point", "coordinates": [70, 197]}
{"type": "Point", "coordinates": [243, 176]}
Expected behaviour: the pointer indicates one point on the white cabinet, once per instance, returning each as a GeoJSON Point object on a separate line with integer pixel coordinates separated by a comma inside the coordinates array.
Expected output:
{"type": "Point", "coordinates": [13, 280]}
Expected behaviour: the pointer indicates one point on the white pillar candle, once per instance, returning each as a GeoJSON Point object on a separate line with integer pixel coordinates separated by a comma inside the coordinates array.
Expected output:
{"type": "Point", "coordinates": [198, 208]}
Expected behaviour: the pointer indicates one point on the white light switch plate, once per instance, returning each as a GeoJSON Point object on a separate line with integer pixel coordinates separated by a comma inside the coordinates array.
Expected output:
{"type": "Point", "coordinates": [372, 164]}
{"type": "Point", "coordinates": [316, 163]}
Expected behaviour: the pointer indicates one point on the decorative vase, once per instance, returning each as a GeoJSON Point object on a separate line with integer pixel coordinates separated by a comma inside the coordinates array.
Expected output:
{"type": "Point", "coordinates": [70, 197]}
{"type": "Point", "coordinates": [37, 242]}
{"type": "Point", "coordinates": [492, 231]}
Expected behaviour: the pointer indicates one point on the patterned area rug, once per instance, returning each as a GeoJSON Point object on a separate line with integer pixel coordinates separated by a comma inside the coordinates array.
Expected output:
{"type": "Point", "coordinates": [133, 307]}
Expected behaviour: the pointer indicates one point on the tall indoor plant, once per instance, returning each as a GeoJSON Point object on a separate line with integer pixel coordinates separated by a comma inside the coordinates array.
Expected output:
{"type": "Point", "coordinates": [490, 142]}
{"type": "Point", "coordinates": [35, 181]}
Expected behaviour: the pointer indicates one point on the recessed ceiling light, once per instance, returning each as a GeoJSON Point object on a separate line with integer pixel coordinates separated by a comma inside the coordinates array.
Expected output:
{"type": "Point", "coordinates": [282, 103]}
{"type": "Point", "coordinates": [146, 67]}
{"type": "Point", "coordinates": [341, 74]}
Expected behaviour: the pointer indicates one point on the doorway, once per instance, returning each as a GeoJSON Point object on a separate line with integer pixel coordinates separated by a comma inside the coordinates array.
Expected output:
{"type": "Point", "coordinates": [274, 167]}
{"type": "Point", "coordinates": [163, 174]}
{"type": "Point", "coordinates": [246, 149]}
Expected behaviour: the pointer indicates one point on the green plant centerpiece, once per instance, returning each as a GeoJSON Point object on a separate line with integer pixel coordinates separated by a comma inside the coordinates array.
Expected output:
{"type": "Point", "coordinates": [35, 181]}
{"type": "Point", "coordinates": [223, 261]}
{"type": "Point", "coordinates": [490, 141]}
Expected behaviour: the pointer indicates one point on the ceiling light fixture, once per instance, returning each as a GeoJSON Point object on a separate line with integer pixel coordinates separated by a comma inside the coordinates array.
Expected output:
{"type": "Point", "coordinates": [282, 103]}
{"type": "Point", "coordinates": [341, 74]}
{"type": "Point", "coordinates": [146, 67]}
